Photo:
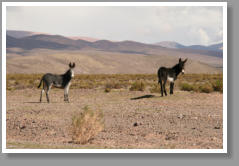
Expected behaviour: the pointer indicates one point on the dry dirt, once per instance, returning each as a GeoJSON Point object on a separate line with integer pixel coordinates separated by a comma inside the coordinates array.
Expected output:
{"type": "Point", "coordinates": [132, 119]}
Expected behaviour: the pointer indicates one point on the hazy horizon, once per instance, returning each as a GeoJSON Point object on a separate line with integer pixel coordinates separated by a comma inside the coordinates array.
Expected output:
{"type": "Point", "coordinates": [111, 40]}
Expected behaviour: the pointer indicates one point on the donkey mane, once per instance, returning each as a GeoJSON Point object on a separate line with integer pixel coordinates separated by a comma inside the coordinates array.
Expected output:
{"type": "Point", "coordinates": [176, 68]}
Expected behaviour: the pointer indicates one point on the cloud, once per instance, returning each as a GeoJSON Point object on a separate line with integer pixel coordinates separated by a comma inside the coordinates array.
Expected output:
{"type": "Point", "coordinates": [204, 36]}
{"type": "Point", "coordinates": [187, 25]}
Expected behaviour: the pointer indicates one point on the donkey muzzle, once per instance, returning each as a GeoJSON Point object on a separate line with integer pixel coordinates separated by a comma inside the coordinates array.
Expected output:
{"type": "Point", "coordinates": [183, 71]}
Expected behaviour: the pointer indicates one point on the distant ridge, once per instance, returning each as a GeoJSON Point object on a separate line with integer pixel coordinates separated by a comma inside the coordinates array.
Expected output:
{"type": "Point", "coordinates": [36, 40]}
{"type": "Point", "coordinates": [22, 34]}
{"type": "Point", "coordinates": [89, 39]}
{"type": "Point", "coordinates": [169, 44]}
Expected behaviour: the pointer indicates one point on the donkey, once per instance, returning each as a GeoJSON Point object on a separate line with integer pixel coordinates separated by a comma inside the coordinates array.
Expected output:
{"type": "Point", "coordinates": [170, 74]}
{"type": "Point", "coordinates": [59, 81]}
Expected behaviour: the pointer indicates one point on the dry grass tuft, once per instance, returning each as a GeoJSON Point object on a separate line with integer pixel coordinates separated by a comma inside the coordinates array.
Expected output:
{"type": "Point", "coordinates": [137, 86]}
{"type": "Point", "coordinates": [206, 88]}
{"type": "Point", "coordinates": [155, 88]}
{"type": "Point", "coordinates": [86, 125]}
{"type": "Point", "coordinates": [218, 85]}
{"type": "Point", "coordinates": [187, 87]}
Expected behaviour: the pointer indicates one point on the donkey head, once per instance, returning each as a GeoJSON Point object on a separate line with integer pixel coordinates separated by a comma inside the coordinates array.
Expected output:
{"type": "Point", "coordinates": [72, 66]}
{"type": "Point", "coordinates": [181, 64]}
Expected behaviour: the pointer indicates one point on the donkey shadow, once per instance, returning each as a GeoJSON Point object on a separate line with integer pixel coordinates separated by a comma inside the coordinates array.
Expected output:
{"type": "Point", "coordinates": [143, 97]}
{"type": "Point", "coordinates": [35, 102]}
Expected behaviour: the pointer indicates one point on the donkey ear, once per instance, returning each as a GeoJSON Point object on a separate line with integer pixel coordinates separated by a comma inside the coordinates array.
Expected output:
{"type": "Point", "coordinates": [185, 60]}
{"type": "Point", "coordinates": [70, 64]}
{"type": "Point", "coordinates": [73, 65]}
{"type": "Point", "coordinates": [180, 60]}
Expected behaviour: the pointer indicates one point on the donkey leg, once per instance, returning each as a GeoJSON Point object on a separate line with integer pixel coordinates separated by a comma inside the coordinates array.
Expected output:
{"type": "Point", "coordinates": [165, 92]}
{"type": "Point", "coordinates": [171, 87]}
{"type": "Point", "coordinates": [66, 92]}
{"type": "Point", "coordinates": [161, 86]}
{"type": "Point", "coordinates": [42, 91]}
{"type": "Point", "coordinates": [47, 96]}
{"type": "Point", "coordinates": [47, 93]}
{"type": "Point", "coordinates": [66, 95]}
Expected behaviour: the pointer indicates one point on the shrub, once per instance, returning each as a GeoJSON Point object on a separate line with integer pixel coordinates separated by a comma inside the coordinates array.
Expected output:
{"type": "Point", "coordinates": [86, 125]}
{"type": "Point", "coordinates": [206, 88]}
{"type": "Point", "coordinates": [187, 87]}
{"type": "Point", "coordinates": [137, 86]}
{"type": "Point", "coordinates": [155, 88]}
{"type": "Point", "coordinates": [107, 90]}
{"type": "Point", "coordinates": [218, 86]}
{"type": "Point", "coordinates": [113, 85]}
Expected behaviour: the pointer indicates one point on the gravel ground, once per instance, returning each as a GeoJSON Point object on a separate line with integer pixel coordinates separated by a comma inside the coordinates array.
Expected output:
{"type": "Point", "coordinates": [133, 119]}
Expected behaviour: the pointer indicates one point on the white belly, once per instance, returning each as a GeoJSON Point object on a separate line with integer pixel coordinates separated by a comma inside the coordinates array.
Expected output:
{"type": "Point", "coordinates": [170, 79]}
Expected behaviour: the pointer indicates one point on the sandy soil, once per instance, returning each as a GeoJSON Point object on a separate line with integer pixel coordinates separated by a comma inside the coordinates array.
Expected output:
{"type": "Point", "coordinates": [132, 119]}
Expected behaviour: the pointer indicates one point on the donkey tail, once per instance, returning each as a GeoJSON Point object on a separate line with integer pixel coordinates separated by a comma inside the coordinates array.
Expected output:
{"type": "Point", "coordinates": [40, 84]}
{"type": "Point", "coordinates": [159, 76]}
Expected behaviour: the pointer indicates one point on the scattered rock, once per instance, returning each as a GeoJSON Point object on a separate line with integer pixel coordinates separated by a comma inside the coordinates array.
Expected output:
{"type": "Point", "coordinates": [195, 118]}
{"type": "Point", "coordinates": [217, 127]}
{"type": "Point", "coordinates": [171, 136]}
{"type": "Point", "coordinates": [181, 116]}
{"type": "Point", "coordinates": [135, 124]}
{"type": "Point", "coordinates": [22, 127]}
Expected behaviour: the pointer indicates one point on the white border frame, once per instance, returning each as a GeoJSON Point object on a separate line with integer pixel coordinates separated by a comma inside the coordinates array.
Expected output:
{"type": "Point", "coordinates": [222, 4]}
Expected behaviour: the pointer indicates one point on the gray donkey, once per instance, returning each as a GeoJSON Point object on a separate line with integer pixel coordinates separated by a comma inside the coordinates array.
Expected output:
{"type": "Point", "coordinates": [59, 81]}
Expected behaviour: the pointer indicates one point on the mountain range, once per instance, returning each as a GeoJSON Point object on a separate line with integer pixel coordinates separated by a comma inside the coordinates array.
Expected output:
{"type": "Point", "coordinates": [25, 45]}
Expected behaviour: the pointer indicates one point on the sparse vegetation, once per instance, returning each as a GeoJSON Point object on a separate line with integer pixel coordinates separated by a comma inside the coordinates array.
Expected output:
{"type": "Point", "coordinates": [86, 125]}
{"type": "Point", "coordinates": [138, 86]}
{"type": "Point", "coordinates": [107, 90]}
{"type": "Point", "coordinates": [188, 82]}
{"type": "Point", "coordinates": [218, 85]}
{"type": "Point", "coordinates": [204, 83]}
{"type": "Point", "coordinates": [155, 88]}
{"type": "Point", "coordinates": [206, 88]}
{"type": "Point", "coordinates": [187, 87]}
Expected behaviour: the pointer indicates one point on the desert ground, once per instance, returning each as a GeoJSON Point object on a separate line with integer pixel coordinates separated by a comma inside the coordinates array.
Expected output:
{"type": "Point", "coordinates": [114, 97]}
{"type": "Point", "coordinates": [132, 119]}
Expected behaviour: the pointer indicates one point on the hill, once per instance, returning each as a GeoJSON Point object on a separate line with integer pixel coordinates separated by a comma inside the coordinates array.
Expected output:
{"type": "Point", "coordinates": [170, 44]}
{"type": "Point", "coordinates": [98, 62]}
{"type": "Point", "coordinates": [50, 53]}
{"type": "Point", "coordinates": [214, 49]}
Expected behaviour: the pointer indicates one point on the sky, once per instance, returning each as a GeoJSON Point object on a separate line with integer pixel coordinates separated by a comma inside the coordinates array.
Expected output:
{"type": "Point", "coordinates": [189, 25]}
